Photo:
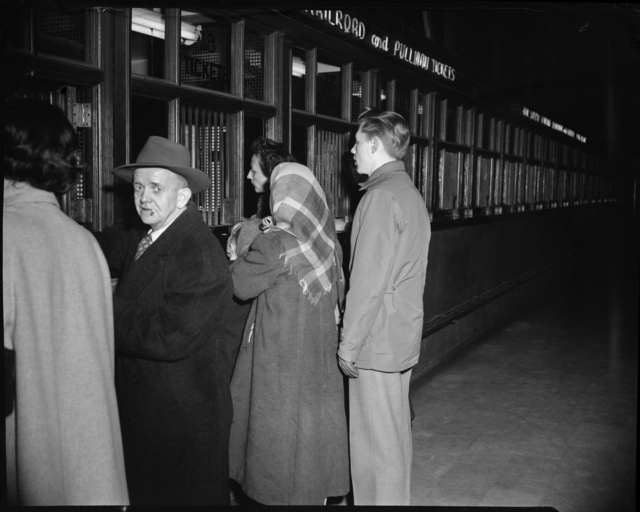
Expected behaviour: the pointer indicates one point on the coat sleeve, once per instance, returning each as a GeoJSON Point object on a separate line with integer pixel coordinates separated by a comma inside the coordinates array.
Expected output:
{"type": "Point", "coordinates": [196, 287]}
{"type": "Point", "coordinates": [371, 266]}
{"type": "Point", "coordinates": [255, 270]}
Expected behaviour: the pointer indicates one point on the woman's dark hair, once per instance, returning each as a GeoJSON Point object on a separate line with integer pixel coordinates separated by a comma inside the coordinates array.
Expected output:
{"type": "Point", "coordinates": [270, 154]}
{"type": "Point", "coordinates": [40, 146]}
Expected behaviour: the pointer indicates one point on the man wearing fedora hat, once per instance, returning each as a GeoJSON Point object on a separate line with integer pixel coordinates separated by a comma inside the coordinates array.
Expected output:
{"type": "Point", "coordinates": [171, 375]}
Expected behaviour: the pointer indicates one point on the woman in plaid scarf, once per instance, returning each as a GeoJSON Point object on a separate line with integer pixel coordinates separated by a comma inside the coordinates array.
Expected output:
{"type": "Point", "coordinates": [289, 435]}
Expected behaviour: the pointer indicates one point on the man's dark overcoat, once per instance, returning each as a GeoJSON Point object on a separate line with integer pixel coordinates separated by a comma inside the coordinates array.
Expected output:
{"type": "Point", "coordinates": [171, 372]}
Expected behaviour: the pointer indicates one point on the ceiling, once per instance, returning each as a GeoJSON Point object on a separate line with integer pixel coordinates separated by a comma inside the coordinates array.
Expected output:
{"type": "Point", "coordinates": [578, 63]}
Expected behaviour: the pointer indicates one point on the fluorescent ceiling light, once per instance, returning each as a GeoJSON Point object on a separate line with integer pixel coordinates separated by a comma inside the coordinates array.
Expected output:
{"type": "Point", "coordinates": [151, 23]}
{"type": "Point", "coordinates": [298, 68]}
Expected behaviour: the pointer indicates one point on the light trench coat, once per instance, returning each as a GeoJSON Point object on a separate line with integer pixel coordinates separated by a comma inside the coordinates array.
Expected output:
{"type": "Point", "coordinates": [63, 437]}
{"type": "Point", "coordinates": [389, 246]}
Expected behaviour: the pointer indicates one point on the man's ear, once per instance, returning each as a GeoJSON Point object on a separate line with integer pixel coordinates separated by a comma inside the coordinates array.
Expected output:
{"type": "Point", "coordinates": [184, 194]}
{"type": "Point", "coordinates": [375, 144]}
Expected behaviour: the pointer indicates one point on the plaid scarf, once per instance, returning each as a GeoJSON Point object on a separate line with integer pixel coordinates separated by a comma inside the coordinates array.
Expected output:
{"type": "Point", "coordinates": [299, 207]}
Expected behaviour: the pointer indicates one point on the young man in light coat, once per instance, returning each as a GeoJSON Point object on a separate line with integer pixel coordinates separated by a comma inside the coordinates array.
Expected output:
{"type": "Point", "coordinates": [382, 331]}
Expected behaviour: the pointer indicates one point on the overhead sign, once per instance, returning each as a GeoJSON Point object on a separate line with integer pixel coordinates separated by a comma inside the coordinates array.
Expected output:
{"type": "Point", "coordinates": [395, 47]}
{"type": "Point", "coordinates": [552, 124]}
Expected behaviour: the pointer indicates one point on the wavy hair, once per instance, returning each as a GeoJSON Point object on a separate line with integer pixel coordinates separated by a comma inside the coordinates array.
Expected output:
{"type": "Point", "coordinates": [40, 146]}
{"type": "Point", "coordinates": [270, 154]}
{"type": "Point", "coordinates": [390, 127]}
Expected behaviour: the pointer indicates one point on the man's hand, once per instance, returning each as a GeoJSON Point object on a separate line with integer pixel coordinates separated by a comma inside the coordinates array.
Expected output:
{"type": "Point", "coordinates": [348, 368]}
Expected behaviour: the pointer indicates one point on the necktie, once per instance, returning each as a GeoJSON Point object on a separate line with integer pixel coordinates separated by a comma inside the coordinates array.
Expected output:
{"type": "Point", "coordinates": [142, 246]}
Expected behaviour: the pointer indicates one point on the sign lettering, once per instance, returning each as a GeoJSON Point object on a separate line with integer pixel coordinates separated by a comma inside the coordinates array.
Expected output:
{"type": "Point", "coordinates": [350, 25]}
{"type": "Point", "coordinates": [552, 124]}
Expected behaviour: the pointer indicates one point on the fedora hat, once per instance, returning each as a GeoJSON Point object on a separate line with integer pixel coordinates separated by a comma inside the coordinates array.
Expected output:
{"type": "Point", "coordinates": [161, 152]}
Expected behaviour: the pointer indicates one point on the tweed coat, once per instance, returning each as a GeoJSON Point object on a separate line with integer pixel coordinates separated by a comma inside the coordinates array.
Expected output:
{"type": "Point", "coordinates": [171, 373]}
{"type": "Point", "coordinates": [63, 437]}
{"type": "Point", "coordinates": [289, 434]}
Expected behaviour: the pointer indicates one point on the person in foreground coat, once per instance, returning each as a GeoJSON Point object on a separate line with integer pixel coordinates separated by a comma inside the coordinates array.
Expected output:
{"type": "Point", "coordinates": [382, 328]}
{"type": "Point", "coordinates": [289, 434]}
{"type": "Point", "coordinates": [63, 441]}
{"type": "Point", "coordinates": [171, 375]}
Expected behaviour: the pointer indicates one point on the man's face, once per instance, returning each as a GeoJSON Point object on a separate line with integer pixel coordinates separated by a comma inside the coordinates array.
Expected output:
{"type": "Point", "coordinates": [257, 177]}
{"type": "Point", "coordinates": [157, 196]}
{"type": "Point", "coordinates": [362, 153]}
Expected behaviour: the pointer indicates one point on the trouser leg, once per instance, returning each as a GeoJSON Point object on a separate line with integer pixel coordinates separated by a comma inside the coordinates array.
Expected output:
{"type": "Point", "coordinates": [380, 436]}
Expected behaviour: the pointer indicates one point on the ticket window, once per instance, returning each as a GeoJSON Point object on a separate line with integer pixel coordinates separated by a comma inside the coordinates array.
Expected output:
{"type": "Point", "coordinates": [253, 128]}
{"type": "Point", "coordinates": [148, 117]}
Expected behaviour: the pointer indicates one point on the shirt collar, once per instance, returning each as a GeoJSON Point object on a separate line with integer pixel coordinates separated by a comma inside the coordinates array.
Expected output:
{"type": "Point", "coordinates": [381, 172]}
{"type": "Point", "coordinates": [156, 234]}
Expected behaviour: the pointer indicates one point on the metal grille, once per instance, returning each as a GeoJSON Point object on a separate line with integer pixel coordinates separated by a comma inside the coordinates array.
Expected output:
{"type": "Point", "coordinates": [403, 101]}
{"type": "Point", "coordinates": [483, 183]}
{"type": "Point", "coordinates": [422, 108]}
{"type": "Point", "coordinates": [519, 192]}
{"type": "Point", "coordinates": [561, 193]}
{"type": "Point", "coordinates": [356, 95]}
{"type": "Point", "coordinates": [207, 62]}
{"type": "Point", "coordinates": [426, 175]}
{"type": "Point", "coordinates": [423, 178]}
{"type": "Point", "coordinates": [530, 187]}
{"type": "Point", "coordinates": [204, 133]}
{"type": "Point", "coordinates": [467, 182]}
{"type": "Point", "coordinates": [497, 183]}
{"type": "Point", "coordinates": [60, 32]}
{"type": "Point", "coordinates": [551, 151]}
{"type": "Point", "coordinates": [573, 186]}
{"type": "Point", "coordinates": [539, 183]}
{"type": "Point", "coordinates": [81, 133]}
{"type": "Point", "coordinates": [330, 146]}
{"type": "Point", "coordinates": [564, 155]}
{"type": "Point", "coordinates": [549, 185]}
{"type": "Point", "coordinates": [254, 65]}
{"type": "Point", "coordinates": [329, 97]}
{"type": "Point", "coordinates": [449, 178]}
{"type": "Point", "coordinates": [509, 183]}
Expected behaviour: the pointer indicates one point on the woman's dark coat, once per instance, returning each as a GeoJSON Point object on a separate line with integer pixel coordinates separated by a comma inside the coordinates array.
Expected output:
{"type": "Point", "coordinates": [289, 435]}
{"type": "Point", "coordinates": [172, 373]}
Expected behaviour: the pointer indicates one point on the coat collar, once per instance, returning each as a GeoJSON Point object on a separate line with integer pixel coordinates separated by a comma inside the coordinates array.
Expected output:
{"type": "Point", "coordinates": [138, 274]}
{"type": "Point", "coordinates": [180, 227]}
{"type": "Point", "coordinates": [381, 173]}
{"type": "Point", "coordinates": [20, 192]}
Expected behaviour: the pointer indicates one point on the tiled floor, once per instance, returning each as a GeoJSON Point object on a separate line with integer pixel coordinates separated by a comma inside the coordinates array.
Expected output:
{"type": "Point", "coordinates": [542, 411]}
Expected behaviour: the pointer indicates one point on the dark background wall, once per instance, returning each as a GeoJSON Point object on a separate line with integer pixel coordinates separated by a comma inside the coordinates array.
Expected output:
{"type": "Point", "coordinates": [481, 273]}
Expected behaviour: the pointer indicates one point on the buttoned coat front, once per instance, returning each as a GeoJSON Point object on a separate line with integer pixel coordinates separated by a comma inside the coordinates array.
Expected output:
{"type": "Point", "coordinates": [171, 373]}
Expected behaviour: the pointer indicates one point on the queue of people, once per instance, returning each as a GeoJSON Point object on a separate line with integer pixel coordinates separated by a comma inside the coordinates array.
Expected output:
{"type": "Point", "coordinates": [198, 369]}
